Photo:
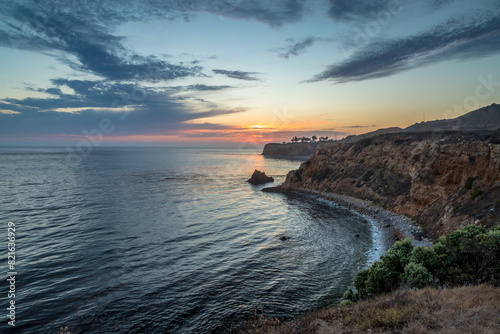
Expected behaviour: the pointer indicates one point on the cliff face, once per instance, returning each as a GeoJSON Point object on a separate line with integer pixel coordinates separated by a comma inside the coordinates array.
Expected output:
{"type": "Point", "coordinates": [292, 149]}
{"type": "Point", "coordinates": [443, 181]}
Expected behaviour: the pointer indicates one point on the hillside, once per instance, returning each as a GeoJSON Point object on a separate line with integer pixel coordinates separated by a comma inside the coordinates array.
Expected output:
{"type": "Point", "coordinates": [486, 118]}
{"type": "Point", "coordinates": [443, 181]}
{"type": "Point", "coordinates": [458, 310]}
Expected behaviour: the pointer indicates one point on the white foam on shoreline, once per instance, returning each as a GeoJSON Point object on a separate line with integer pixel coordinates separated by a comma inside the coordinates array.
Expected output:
{"type": "Point", "coordinates": [377, 218]}
{"type": "Point", "coordinates": [379, 245]}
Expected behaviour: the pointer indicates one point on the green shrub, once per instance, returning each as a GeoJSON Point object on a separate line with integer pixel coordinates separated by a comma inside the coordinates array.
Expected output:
{"type": "Point", "coordinates": [365, 142]}
{"type": "Point", "coordinates": [381, 279]}
{"type": "Point", "coordinates": [469, 182]}
{"type": "Point", "coordinates": [348, 297]}
{"type": "Point", "coordinates": [398, 256]}
{"type": "Point", "coordinates": [426, 256]}
{"type": "Point", "coordinates": [360, 282]}
{"type": "Point", "coordinates": [470, 255]}
{"type": "Point", "coordinates": [416, 276]}
{"type": "Point", "coordinates": [476, 193]}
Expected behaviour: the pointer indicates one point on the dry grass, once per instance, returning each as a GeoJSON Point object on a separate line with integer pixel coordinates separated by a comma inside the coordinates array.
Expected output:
{"type": "Point", "coordinates": [458, 310]}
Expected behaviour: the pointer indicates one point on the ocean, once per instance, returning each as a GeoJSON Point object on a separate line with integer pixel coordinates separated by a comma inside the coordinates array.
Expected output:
{"type": "Point", "coordinates": [165, 240]}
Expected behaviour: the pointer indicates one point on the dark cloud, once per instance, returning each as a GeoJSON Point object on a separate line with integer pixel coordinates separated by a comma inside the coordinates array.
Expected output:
{"type": "Point", "coordinates": [145, 110]}
{"type": "Point", "coordinates": [79, 86]}
{"type": "Point", "coordinates": [436, 4]}
{"type": "Point", "coordinates": [457, 39]}
{"type": "Point", "coordinates": [140, 121]}
{"type": "Point", "coordinates": [240, 75]}
{"type": "Point", "coordinates": [200, 87]}
{"type": "Point", "coordinates": [274, 13]}
{"type": "Point", "coordinates": [86, 31]}
{"type": "Point", "coordinates": [348, 10]}
{"type": "Point", "coordinates": [97, 51]}
{"type": "Point", "coordinates": [296, 48]}
{"type": "Point", "coordinates": [359, 126]}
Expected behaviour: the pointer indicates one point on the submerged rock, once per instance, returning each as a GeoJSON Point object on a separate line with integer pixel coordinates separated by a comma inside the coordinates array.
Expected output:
{"type": "Point", "coordinates": [259, 177]}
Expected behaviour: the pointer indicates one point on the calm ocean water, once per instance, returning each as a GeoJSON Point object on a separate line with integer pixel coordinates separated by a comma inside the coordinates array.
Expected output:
{"type": "Point", "coordinates": [143, 240]}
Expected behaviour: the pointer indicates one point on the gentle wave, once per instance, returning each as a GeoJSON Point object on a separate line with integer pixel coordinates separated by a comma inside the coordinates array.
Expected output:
{"type": "Point", "coordinates": [170, 241]}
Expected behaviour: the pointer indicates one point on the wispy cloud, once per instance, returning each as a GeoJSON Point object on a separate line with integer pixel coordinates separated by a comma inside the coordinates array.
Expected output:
{"type": "Point", "coordinates": [200, 87]}
{"type": "Point", "coordinates": [348, 10]}
{"type": "Point", "coordinates": [93, 47]}
{"type": "Point", "coordinates": [359, 126]}
{"type": "Point", "coordinates": [295, 48]}
{"type": "Point", "coordinates": [274, 13]}
{"type": "Point", "coordinates": [240, 75]}
{"type": "Point", "coordinates": [436, 4]}
{"type": "Point", "coordinates": [86, 32]}
{"type": "Point", "coordinates": [456, 39]}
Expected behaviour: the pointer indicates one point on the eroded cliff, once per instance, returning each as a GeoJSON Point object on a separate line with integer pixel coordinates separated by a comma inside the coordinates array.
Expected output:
{"type": "Point", "coordinates": [442, 181]}
{"type": "Point", "coordinates": [292, 149]}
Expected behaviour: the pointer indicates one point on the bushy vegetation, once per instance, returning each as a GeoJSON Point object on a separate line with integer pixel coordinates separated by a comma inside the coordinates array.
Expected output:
{"type": "Point", "coordinates": [475, 193]}
{"type": "Point", "coordinates": [468, 256]}
{"type": "Point", "coordinates": [469, 182]}
{"type": "Point", "coordinates": [365, 142]}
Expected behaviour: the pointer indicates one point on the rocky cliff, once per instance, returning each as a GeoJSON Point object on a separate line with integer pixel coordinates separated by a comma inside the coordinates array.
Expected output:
{"type": "Point", "coordinates": [442, 181]}
{"type": "Point", "coordinates": [292, 149]}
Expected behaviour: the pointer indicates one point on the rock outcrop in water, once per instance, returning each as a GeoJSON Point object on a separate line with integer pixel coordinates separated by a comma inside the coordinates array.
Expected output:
{"type": "Point", "coordinates": [442, 181]}
{"type": "Point", "coordinates": [259, 177]}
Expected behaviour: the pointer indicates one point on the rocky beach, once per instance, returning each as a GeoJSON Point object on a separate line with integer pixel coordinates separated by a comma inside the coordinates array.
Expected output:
{"type": "Point", "coordinates": [390, 225]}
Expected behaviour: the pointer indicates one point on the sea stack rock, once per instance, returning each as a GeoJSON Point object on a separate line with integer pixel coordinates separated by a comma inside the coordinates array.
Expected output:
{"type": "Point", "coordinates": [259, 177]}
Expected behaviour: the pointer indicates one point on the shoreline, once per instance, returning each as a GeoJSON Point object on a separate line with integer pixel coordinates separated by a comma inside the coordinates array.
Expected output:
{"type": "Point", "coordinates": [391, 226]}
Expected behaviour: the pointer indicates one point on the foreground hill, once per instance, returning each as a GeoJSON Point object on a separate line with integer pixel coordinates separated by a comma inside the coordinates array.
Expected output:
{"type": "Point", "coordinates": [458, 310]}
{"type": "Point", "coordinates": [443, 181]}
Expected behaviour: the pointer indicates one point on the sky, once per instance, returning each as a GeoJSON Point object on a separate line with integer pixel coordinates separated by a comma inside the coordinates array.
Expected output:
{"type": "Point", "coordinates": [245, 72]}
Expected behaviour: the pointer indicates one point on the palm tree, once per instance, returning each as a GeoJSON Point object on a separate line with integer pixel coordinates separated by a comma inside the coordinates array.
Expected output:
{"type": "Point", "coordinates": [314, 138]}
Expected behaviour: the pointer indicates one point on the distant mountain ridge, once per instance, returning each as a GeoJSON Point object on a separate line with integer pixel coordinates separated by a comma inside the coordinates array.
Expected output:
{"type": "Point", "coordinates": [486, 118]}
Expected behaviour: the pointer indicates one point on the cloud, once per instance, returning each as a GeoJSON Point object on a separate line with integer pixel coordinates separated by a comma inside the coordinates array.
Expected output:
{"type": "Point", "coordinates": [348, 10]}
{"type": "Point", "coordinates": [296, 48]}
{"type": "Point", "coordinates": [83, 38]}
{"type": "Point", "coordinates": [437, 4]}
{"type": "Point", "coordinates": [93, 47]}
{"type": "Point", "coordinates": [457, 39]}
{"type": "Point", "coordinates": [274, 13]}
{"type": "Point", "coordinates": [240, 75]}
{"type": "Point", "coordinates": [145, 109]}
{"type": "Point", "coordinates": [200, 87]}
{"type": "Point", "coordinates": [359, 126]}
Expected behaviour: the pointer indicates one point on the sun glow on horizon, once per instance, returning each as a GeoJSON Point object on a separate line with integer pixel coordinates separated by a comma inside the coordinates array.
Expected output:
{"type": "Point", "coordinates": [258, 126]}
